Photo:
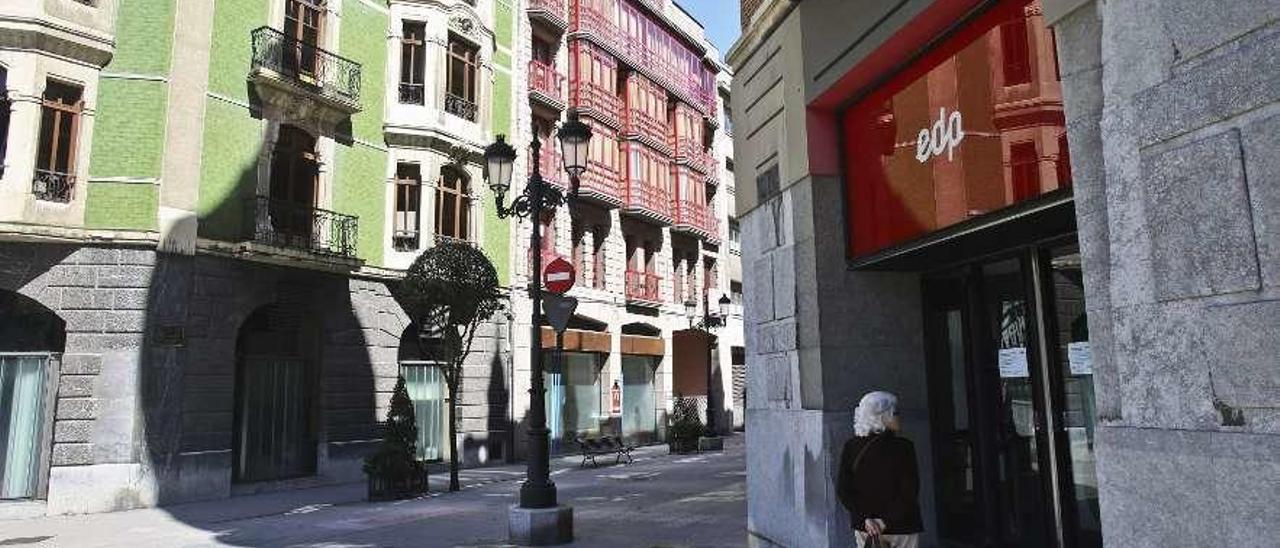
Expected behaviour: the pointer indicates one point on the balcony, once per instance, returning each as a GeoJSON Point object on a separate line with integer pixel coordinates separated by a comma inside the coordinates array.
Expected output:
{"type": "Point", "coordinates": [598, 103]}
{"type": "Point", "coordinates": [460, 107]}
{"type": "Point", "coordinates": [549, 166]}
{"type": "Point", "coordinates": [595, 24]}
{"type": "Point", "coordinates": [694, 218]}
{"type": "Point", "coordinates": [546, 85]}
{"type": "Point", "coordinates": [642, 288]}
{"type": "Point", "coordinates": [551, 12]}
{"type": "Point", "coordinates": [600, 184]}
{"type": "Point", "coordinates": [302, 80]}
{"type": "Point", "coordinates": [640, 125]}
{"type": "Point", "coordinates": [648, 201]}
{"type": "Point", "coordinates": [52, 186]}
{"type": "Point", "coordinates": [300, 227]}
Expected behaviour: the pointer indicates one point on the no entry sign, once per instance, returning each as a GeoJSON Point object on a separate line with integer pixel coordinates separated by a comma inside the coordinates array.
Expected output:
{"type": "Point", "coordinates": [558, 276]}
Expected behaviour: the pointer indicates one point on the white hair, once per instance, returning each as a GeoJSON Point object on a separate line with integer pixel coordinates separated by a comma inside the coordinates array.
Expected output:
{"type": "Point", "coordinates": [873, 413]}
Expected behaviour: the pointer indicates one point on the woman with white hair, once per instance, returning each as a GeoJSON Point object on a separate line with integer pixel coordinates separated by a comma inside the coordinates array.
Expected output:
{"type": "Point", "coordinates": [878, 480]}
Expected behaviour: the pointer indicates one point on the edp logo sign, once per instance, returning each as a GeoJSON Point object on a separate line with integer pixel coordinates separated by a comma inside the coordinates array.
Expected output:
{"type": "Point", "coordinates": [944, 136]}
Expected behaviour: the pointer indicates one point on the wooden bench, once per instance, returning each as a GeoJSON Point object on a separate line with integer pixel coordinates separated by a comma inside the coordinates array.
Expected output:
{"type": "Point", "coordinates": [607, 445]}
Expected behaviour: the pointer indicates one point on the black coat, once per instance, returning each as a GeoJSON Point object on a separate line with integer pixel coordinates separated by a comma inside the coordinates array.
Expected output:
{"type": "Point", "coordinates": [884, 486]}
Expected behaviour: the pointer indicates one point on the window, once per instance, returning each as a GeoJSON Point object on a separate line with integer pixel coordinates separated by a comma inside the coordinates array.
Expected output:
{"type": "Point", "coordinates": [728, 117]}
{"type": "Point", "coordinates": [59, 133]}
{"type": "Point", "coordinates": [460, 85]}
{"type": "Point", "coordinates": [453, 204]}
{"type": "Point", "coordinates": [4, 116]}
{"type": "Point", "coordinates": [1016, 52]}
{"type": "Point", "coordinates": [408, 197]}
{"type": "Point", "coordinates": [767, 183]}
{"type": "Point", "coordinates": [412, 62]}
{"type": "Point", "coordinates": [735, 292]}
{"type": "Point", "coordinates": [735, 231]}
{"type": "Point", "coordinates": [303, 24]}
{"type": "Point", "coordinates": [1024, 168]}
{"type": "Point", "coordinates": [426, 387]}
{"type": "Point", "coordinates": [709, 275]}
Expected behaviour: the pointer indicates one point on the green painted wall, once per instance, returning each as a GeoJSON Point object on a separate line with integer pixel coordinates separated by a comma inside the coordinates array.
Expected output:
{"type": "Point", "coordinates": [497, 232]}
{"type": "Point", "coordinates": [130, 206]}
{"type": "Point", "coordinates": [361, 166]}
{"type": "Point", "coordinates": [231, 49]}
{"type": "Point", "coordinates": [128, 140]}
{"type": "Point", "coordinates": [228, 169]}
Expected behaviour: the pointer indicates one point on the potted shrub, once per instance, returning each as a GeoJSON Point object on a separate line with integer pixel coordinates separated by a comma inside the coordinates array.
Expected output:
{"type": "Point", "coordinates": [686, 426]}
{"type": "Point", "coordinates": [393, 470]}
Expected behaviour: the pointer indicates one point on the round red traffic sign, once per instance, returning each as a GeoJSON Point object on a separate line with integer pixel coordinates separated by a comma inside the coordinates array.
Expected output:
{"type": "Point", "coordinates": [558, 276]}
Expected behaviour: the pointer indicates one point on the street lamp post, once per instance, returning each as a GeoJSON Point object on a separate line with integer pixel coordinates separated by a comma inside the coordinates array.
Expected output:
{"type": "Point", "coordinates": [537, 519]}
{"type": "Point", "coordinates": [706, 324]}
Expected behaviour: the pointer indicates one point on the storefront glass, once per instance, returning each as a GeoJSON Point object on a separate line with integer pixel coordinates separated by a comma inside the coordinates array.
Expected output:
{"type": "Point", "coordinates": [426, 388]}
{"type": "Point", "coordinates": [573, 396]}
{"type": "Point", "coordinates": [639, 402]}
{"type": "Point", "coordinates": [21, 414]}
{"type": "Point", "coordinates": [972, 127]}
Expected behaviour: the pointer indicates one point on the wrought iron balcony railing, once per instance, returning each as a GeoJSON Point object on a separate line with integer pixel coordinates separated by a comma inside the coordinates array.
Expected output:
{"type": "Point", "coordinates": [53, 186]}
{"type": "Point", "coordinates": [460, 107]}
{"type": "Point", "coordinates": [643, 287]}
{"type": "Point", "coordinates": [302, 227]}
{"type": "Point", "coordinates": [306, 64]}
{"type": "Point", "coordinates": [411, 94]}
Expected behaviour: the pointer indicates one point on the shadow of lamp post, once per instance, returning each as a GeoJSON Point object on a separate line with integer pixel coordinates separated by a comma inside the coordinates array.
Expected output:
{"type": "Point", "coordinates": [538, 519]}
{"type": "Point", "coordinates": [708, 323]}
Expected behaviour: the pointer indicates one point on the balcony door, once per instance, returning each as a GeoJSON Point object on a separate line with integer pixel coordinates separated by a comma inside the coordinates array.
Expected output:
{"type": "Point", "coordinates": [294, 181]}
{"type": "Point", "coordinates": [1010, 384]}
{"type": "Point", "coordinates": [303, 28]}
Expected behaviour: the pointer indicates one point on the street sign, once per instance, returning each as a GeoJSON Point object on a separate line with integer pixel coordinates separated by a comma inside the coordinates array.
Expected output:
{"type": "Point", "coordinates": [558, 276]}
{"type": "Point", "coordinates": [558, 309]}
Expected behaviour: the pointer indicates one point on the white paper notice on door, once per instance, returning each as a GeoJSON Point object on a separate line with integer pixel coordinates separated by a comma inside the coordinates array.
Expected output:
{"type": "Point", "coordinates": [1013, 362]}
{"type": "Point", "coordinates": [1080, 358]}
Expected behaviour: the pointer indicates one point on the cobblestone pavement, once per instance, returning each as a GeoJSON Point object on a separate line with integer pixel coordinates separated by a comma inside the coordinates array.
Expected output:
{"type": "Point", "coordinates": [661, 500]}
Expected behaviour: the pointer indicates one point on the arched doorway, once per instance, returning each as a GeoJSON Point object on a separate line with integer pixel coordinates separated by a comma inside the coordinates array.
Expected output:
{"type": "Point", "coordinates": [32, 339]}
{"type": "Point", "coordinates": [275, 433]}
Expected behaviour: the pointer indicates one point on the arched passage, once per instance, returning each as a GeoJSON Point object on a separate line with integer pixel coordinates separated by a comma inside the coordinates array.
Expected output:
{"type": "Point", "coordinates": [275, 423]}
{"type": "Point", "coordinates": [32, 339]}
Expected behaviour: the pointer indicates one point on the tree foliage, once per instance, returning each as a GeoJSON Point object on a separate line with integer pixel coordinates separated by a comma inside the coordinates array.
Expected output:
{"type": "Point", "coordinates": [395, 462]}
{"type": "Point", "coordinates": [448, 292]}
{"type": "Point", "coordinates": [686, 424]}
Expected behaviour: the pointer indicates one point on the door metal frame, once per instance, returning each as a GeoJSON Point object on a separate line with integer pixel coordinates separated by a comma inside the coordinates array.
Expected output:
{"type": "Point", "coordinates": [1047, 390]}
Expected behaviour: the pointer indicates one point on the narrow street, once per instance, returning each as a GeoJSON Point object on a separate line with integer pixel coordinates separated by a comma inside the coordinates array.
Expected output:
{"type": "Point", "coordinates": [660, 500]}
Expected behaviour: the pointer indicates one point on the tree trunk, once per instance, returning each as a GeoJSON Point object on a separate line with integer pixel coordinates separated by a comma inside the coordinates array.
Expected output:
{"type": "Point", "coordinates": [453, 438]}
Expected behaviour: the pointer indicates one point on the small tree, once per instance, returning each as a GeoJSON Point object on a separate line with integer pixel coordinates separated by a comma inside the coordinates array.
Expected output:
{"type": "Point", "coordinates": [394, 467]}
{"type": "Point", "coordinates": [448, 292]}
{"type": "Point", "coordinates": [686, 425]}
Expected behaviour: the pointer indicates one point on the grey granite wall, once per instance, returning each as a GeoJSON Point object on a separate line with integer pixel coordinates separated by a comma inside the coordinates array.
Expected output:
{"type": "Point", "coordinates": [1173, 110]}
{"type": "Point", "coordinates": [145, 389]}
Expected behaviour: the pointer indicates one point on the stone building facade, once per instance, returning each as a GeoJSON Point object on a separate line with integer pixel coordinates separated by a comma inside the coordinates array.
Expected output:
{"type": "Point", "coordinates": [641, 249]}
{"type": "Point", "coordinates": [198, 246]}
{"type": "Point", "coordinates": [1084, 358]}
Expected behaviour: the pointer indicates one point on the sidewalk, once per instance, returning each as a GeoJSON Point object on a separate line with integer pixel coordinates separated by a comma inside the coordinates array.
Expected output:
{"type": "Point", "coordinates": [683, 497]}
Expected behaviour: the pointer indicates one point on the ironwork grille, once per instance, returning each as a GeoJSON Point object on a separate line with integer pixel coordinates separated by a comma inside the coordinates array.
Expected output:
{"type": "Point", "coordinates": [306, 63]}
{"type": "Point", "coordinates": [297, 226]}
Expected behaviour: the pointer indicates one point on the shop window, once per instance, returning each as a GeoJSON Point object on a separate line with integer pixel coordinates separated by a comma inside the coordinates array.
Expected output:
{"type": "Point", "coordinates": [408, 203]}
{"type": "Point", "coordinates": [303, 25]}
{"type": "Point", "coordinates": [461, 79]}
{"type": "Point", "coordinates": [1024, 166]}
{"type": "Point", "coordinates": [453, 204]}
{"type": "Point", "coordinates": [412, 63]}
{"type": "Point", "coordinates": [60, 111]}
{"type": "Point", "coordinates": [1015, 51]}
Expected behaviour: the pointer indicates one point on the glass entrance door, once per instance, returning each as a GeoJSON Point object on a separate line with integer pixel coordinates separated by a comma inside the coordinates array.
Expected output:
{"type": "Point", "coordinates": [1012, 423]}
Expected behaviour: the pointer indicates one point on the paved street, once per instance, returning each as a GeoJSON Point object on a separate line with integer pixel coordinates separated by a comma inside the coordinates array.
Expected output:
{"type": "Point", "coordinates": [659, 501]}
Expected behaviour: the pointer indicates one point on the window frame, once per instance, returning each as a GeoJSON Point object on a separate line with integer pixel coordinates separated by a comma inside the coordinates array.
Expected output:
{"type": "Point", "coordinates": [414, 47]}
{"type": "Point", "coordinates": [461, 194]}
{"type": "Point", "coordinates": [407, 207]}
{"type": "Point", "coordinates": [470, 63]}
{"type": "Point", "coordinates": [48, 161]}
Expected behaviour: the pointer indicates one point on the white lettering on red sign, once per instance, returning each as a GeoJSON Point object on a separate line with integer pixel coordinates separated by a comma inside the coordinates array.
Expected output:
{"type": "Point", "coordinates": [558, 276]}
{"type": "Point", "coordinates": [944, 136]}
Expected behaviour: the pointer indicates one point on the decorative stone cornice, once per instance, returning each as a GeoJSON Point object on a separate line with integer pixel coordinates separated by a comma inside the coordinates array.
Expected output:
{"type": "Point", "coordinates": [34, 34]}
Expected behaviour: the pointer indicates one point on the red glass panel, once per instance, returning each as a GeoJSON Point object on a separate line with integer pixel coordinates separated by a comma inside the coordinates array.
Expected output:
{"type": "Point", "coordinates": [946, 140]}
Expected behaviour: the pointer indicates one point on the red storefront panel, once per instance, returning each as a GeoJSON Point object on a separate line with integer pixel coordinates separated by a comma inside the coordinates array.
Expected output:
{"type": "Point", "coordinates": [974, 126]}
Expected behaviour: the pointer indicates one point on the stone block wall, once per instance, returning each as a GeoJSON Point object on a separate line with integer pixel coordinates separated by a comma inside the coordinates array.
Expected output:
{"type": "Point", "coordinates": [1173, 112]}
